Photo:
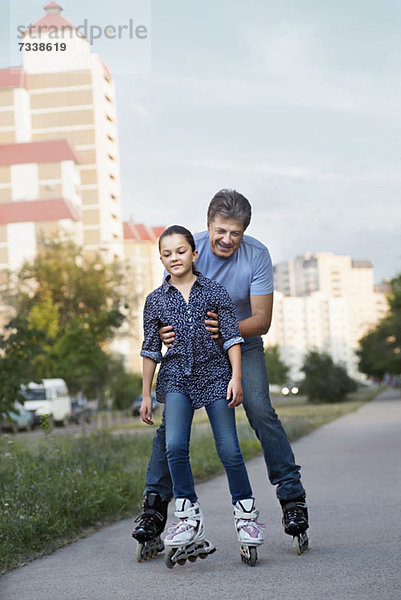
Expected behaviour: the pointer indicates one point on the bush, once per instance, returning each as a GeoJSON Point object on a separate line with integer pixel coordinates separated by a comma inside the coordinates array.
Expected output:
{"type": "Point", "coordinates": [324, 380]}
{"type": "Point", "coordinates": [124, 386]}
{"type": "Point", "coordinates": [276, 368]}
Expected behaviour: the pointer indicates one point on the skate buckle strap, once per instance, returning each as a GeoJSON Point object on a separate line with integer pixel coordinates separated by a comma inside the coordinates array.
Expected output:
{"type": "Point", "coordinates": [188, 512]}
{"type": "Point", "coordinates": [245, 509]}
{"type": "Point", "coordinates": [150, 512]}
{"type": "Point", "coordinates": [250, 524]}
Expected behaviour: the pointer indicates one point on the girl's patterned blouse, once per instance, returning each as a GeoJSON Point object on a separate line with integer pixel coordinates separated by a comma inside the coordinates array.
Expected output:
{"type": "Point", "coordinates": [195, 365]}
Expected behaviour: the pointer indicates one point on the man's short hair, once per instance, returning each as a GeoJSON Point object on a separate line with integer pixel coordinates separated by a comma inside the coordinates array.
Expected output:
{"type": "Point", "coordinates": [230, 204]}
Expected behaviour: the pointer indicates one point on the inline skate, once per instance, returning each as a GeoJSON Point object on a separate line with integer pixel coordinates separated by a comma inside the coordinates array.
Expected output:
{"type": "Point", "coordinates": [150, 525]}
{"type": "Point", "coordinates": [186, 539]}
{"type": "Point", "coordinates": [295, 521]}
{"type": "Point", "coordinates": [249, 531]}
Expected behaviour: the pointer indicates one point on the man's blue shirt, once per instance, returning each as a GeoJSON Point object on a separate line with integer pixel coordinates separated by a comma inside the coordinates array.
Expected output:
{"type": "Point", "coordinates": [248, 272]}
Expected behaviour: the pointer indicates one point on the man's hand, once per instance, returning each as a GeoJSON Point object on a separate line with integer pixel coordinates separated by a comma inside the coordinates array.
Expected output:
{"type": "Point", "coordinates": [213, 325]}
{"type": "Point", "coordinates": [146, 410]}
{"type": "Point", "coordinates": [234, 391]}
{"type": "Point", "coordinates": [167, 335]}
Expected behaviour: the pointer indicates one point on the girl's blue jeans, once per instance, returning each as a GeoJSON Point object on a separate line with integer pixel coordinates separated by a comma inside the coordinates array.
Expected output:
{"type": "Point", "coordinates": [178, 415]}
{"type": "Point", "coordinates": [281, 467]}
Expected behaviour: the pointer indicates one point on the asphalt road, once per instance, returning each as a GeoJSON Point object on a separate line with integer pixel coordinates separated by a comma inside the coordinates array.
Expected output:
{"type": "Point", "coordinates": [352, 471]}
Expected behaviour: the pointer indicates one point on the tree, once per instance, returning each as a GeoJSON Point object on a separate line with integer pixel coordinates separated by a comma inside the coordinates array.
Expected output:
{"type": "Point", "coordinates": [76, 285]}
{"type": "Point", "coordinates": [380, 349]}
{"type": "Point", "coordinates": [324, 380]}
{"type": "Point", "coordinates": [75, 303]}
{"type": "Point", "coordinates": [276, 368]}
{"type": "Point", "coordinates": [124, 387]}
{"type": "Point", "coordinates": [19, 346]}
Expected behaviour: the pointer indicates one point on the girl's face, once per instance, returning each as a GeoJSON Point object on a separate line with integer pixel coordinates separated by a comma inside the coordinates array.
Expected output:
{"type": "Point", "coordinates": [177, 255]}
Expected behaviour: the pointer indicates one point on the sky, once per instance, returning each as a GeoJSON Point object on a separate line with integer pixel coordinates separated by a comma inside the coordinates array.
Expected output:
{"type": "Point", "coordinates": [295, 104]}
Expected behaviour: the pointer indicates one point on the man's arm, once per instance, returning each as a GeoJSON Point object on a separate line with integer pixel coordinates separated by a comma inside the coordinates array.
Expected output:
{"type": "Point", "coordinates": [259, 322]}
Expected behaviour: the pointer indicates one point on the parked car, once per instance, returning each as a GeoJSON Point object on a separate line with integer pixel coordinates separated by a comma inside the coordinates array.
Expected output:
{"type": "Point", "coordinates": [19, 419]}
{"type": "Point", "coordinates": [49, 397]}
{"type": "Point", "coordinates": [290, 389]}
{"type": "Point", "coordinates": [80, 410]}
{"type": "Point", "coordinates": [136, 405]}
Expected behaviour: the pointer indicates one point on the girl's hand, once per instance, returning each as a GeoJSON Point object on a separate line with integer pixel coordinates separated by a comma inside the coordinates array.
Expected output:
{"type": "Point", "coordinates": [146, 410]}
{"type": "Point", "coordinates": [213, 325]}
{"type": "Point", "coordinates": [234, 391]}
{"type": "Point", "coordinates": [167, 335]}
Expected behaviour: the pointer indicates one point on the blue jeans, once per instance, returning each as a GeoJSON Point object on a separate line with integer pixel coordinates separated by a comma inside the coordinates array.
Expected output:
{"type": "Point", "coordinates": [178, 417]}
{"type": "Point", "coordinates": [281, 468]}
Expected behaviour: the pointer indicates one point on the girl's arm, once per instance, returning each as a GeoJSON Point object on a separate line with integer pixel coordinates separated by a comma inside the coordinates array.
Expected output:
{"type": "Point", "coordinates": [148, 371]}
{"type": "Point", "coordinates": [234, 389]}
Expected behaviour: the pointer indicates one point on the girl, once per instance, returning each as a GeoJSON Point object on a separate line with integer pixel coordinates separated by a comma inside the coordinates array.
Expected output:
{"type": "Point", "coordinates": [195, 372]}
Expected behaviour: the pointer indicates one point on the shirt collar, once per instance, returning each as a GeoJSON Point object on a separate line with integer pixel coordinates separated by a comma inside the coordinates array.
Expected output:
{"type": "Point", "coordinates": [167, 287]}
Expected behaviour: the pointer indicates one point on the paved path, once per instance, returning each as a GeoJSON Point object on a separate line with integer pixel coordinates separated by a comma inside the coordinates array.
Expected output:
{"type": "Point", "coordinates": [352, 470]}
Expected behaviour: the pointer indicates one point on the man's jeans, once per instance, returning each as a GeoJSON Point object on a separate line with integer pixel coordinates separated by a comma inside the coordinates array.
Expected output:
{"type": "Point", "coordinates": [178, 416]}
{"type": "Point", "coordinates": [279, 458]}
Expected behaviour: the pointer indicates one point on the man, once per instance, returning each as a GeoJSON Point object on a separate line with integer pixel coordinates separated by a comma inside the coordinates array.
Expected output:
{"type": "Point", "coordinates": [243, 265]}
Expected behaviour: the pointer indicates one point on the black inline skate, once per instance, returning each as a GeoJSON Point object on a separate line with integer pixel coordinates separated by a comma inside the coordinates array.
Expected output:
{"type": "Point", "coordinates": [150, 525]}
{"type": "Point", "coordinates": [295, 521]}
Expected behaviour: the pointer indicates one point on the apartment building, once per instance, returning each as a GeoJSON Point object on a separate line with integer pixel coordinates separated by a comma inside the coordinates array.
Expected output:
{"type": "Point", "coordinates": [39, 198]}
{"type": "Point", "coordinates": [327, 302]}
{"type": "Point", "coordinates": [146, 270]}
{"type": "Point", "coordinates": [59, 164]}
{"type": "Point", "coordinates": [68, 95]}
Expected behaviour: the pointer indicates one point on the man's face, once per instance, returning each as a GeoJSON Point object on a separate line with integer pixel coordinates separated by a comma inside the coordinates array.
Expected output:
{"type": "Point", "coordinates": [225, 236]}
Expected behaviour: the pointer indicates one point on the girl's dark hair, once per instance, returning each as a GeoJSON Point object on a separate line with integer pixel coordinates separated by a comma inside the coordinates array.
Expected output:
{"type": "Point", "coordinates": [230, 204]}
{"type": "Point", "coordinates": [181, 231]}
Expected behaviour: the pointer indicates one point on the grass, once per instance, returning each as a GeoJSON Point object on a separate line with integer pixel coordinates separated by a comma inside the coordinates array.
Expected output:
{"type": "Point", "coordinates": [54, 489]}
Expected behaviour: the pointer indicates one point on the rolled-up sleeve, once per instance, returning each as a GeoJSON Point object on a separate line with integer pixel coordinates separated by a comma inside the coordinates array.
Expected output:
{"type": "Point", "coordinates": [228, 322]}
{"type": "Point", "coordinates": [151, 346]}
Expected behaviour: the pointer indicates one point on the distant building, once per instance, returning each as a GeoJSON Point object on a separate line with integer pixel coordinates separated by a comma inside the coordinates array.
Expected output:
{"type": "Point", "coordinates": [67, 95]}
{"type": "Point", "coordinates": [39, 198]}
{"type": "Point", "coordinates": [146, 270]}
{"type": "Point", "coordinates": [327, 302]}
{"type": "Point", "coordinates": [59, 164]}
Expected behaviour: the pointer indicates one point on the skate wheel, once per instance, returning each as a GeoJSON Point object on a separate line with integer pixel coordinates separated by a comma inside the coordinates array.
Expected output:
{"type": "Point", "coordinates": [249, 555]}
{"type": "Point", "coordinates": [301, 543]}
{"type": "Point", "coordinates": [253, 556]}
{"type": "Point", "coordinates": [139, 553]}
{"type": "Point", "coordinates": [170, 564]}
{"type": "Point", "coordinates": [192, 558]}
{"type": "Point", "coordinates": [203, 555]}
{"type": "Point", "coordinates": [182, 561]}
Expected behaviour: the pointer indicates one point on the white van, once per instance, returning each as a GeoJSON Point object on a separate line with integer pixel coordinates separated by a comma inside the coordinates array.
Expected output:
{"type": "Point", "coordinates": [49, 397]}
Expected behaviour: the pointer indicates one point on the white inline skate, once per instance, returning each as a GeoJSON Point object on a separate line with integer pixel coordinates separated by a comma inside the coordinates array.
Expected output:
{"type": "Point", "coordinates": [249, 531]}
{"type": "Point", "coordinates": [186, 540]}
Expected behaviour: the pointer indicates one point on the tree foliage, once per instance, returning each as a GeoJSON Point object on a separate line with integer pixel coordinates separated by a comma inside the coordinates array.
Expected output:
{"type": "Point", "coordinates": [277, 369]}
{"type": "Point", "coordinates": [18, 346]}
{"type": "Point", "coordinates": [124, 387]}
{"type": "Point", "coordinates": [325, 381]}
{"type": "Point", "coordinates": [380, 349]}
{"type": "Point", "coordinates": [67, 309]}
